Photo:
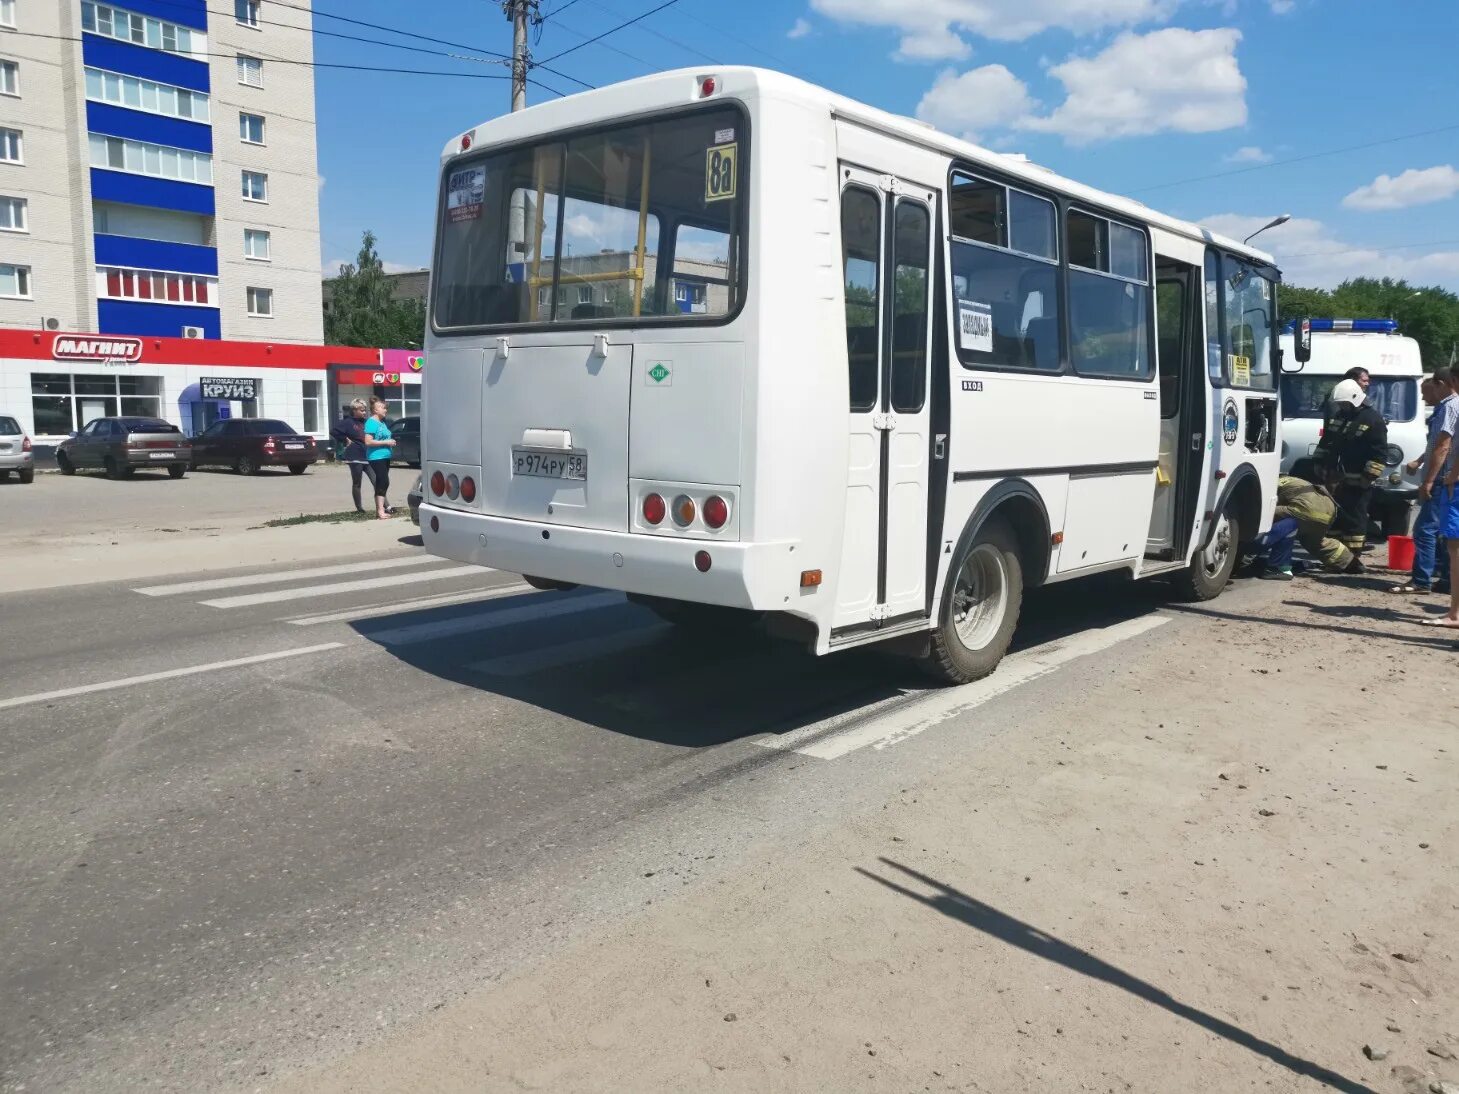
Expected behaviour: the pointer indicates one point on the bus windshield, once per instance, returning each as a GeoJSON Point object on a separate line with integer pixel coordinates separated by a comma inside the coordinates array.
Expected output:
{"type": "Point", "coordinates": [1306, 396]}
{"type": "Point", "coordinates": [635, 223]}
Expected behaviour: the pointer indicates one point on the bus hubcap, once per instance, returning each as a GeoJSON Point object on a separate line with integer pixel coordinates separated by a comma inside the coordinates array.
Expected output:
{"type": "Point", "coordinates": [1219, 549]}
{"type": "Point", "coordinates": [980, 596]}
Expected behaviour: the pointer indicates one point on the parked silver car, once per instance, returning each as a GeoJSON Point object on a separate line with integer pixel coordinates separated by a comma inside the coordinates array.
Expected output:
{"type": "Point", "coordinates": [15, 451]}
{"type": "Point", "coordinates": [121, 445]}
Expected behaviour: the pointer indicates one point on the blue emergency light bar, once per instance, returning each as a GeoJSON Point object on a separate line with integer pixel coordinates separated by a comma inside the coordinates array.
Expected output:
{"type": "Point", "coordinates": [1354, 326]}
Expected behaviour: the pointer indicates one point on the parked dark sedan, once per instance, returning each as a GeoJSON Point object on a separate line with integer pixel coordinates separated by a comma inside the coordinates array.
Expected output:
{"type": "Point", "coordinates": [121, 445]}
{"type": "Point", "coordinates": [406, 432]}
{"type": "Point", "coordinates": [246, 444]}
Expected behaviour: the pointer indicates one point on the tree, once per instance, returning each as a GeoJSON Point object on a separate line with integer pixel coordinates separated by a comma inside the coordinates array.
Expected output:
{"type": "Point", "coordinates": [1429, 315]}
{"type": "Point", "coordinates": [362, 310]}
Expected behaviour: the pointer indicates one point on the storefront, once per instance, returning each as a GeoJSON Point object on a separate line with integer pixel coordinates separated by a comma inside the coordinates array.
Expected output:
{"type": "Point", "coordinates": [54, 383]}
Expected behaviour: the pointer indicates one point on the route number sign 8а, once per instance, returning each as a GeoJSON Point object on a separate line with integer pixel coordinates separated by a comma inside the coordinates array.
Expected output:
{"type": "Point", "coordinates": [720, 172]}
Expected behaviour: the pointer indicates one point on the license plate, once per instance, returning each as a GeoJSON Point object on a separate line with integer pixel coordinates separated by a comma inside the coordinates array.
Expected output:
{"type": "Point", "coordinates": [160, 455]}
{"type": "Point", "coordinates": [293, 446]}
{"type": "Point", "coordinates": [546, 463]}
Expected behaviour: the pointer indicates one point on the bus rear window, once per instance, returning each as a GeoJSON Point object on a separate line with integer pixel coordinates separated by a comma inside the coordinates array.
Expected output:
{"type": "Point", "coordinates": [636, 223]}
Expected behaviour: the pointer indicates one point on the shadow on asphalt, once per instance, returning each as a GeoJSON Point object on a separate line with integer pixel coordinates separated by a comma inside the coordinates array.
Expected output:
{"type": "Point", "coordinates": [968, 910]}
{"type": "Point", "coordinates": [616, 666]}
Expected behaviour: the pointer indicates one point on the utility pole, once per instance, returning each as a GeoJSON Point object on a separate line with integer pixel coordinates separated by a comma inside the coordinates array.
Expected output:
{"type": "Point", "coordinates": [520, 13]}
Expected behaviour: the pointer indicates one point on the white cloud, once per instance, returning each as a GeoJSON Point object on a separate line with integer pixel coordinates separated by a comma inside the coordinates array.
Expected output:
{"type": "Point", "coordinates": [801, 29]}
{"type": "Point", "coordinates": [1312, 255]}
{"type": "Point", "coordinates": [1282, 7]}
{"type": "Point", "coordinates": [1413, 187]}
{"type": "Point", "coordinates": [979, 99]}
{"type": "Point", "coordinates": [933, 29]}
{"type": "Point", "coordinates": [1250, 154]}
{"type": "Point", "coordinates": [1178, 80]}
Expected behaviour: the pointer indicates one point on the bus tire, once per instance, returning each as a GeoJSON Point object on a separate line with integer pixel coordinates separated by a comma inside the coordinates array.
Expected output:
{"type": "Point", "coordinates": [1210, 571]}
{"type": "Point", "coordinates": [980, 606]}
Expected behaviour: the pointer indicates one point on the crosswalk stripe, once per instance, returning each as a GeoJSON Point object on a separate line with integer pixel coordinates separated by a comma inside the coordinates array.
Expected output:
{"type": "Point", "coordinates": [278, 596]}
{"type": "Point", "coordinates": [558, 654]}
{"type": "Point", "coordinates": [903, 720]}
{"type": "Point", "coordinates": [418, 604]}
{"type": "Point", "coordinates": [487, 621]}
{"type": "Point", "coordinates": [281, 576]}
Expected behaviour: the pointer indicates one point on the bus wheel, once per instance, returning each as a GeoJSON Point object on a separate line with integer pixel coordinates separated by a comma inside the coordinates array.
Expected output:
{"type": "Point", "coordinates": [1210, 571]}
{"type": "Point", "coordinates": [979, 607]}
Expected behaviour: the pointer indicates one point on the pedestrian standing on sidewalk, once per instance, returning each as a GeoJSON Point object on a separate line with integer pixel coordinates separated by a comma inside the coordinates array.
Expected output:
{"type": "Point", "coordinates": [1448, 493]}
{"type": "Point", "coordinates": [1431, 571]}
{"type": "Point", "coordinates": [349, 431]}
{"type": "Point", "coordinates": [379, 447]}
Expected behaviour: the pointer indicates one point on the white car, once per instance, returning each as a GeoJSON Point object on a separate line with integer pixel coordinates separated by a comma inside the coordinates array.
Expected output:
{"type": "Point", "coordinates": [15, 451]}
{"type": "Point", "coordinates": [1395, 370]}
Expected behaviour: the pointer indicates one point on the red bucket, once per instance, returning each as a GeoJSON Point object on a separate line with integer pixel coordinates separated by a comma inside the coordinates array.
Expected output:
{"type": "Point", "coordinates": [1400, 553]}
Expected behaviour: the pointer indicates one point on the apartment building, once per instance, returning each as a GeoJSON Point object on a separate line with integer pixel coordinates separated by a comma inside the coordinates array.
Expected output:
{"type": "Point", "coordinates": [158, 175]}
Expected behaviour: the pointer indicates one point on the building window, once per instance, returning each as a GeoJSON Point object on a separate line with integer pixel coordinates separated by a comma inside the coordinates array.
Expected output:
{"type": "Point", "coordinates": [138, 94]}
{"type": "Point", "coordinates": [10, 146]}
{"type": "Point", "coordinates": [256, 244]}
{"type": "Point", "coordinates": [312, 397]}
{"type": "Point", "coordinates": [250, 71]}
{"type": "Point", "coordinates": [250, 128]}
{"type": "Point", "coordinates": [116, 283]}
{"type": "Point", "coordinates": [585, 294]}
{"type": "Point", "coordinates": [9, 78]}
{"type": "Point", "coordinates": [7, 13]}
{"type": "Point", "coordinates": [260, 303]}
{"type": "Point", "coordinates": [141, 30]}
{"type": "Point", "coordinates": [255, 186]}
{"type": "Point", "coordinates": [156, 160]}
{"type": "Point", "coordinates": [246, 12]}
{"type": "Point", "coordinates": [15, 281]}
{"type": "Point", "coordinates": [62, 402]}
{"type": "Point", "coordinates": [13, 215]}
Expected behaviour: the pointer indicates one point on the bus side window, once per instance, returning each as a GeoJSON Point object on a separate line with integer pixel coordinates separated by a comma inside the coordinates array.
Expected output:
{"type": "Point", "coordinates": [861, 246]}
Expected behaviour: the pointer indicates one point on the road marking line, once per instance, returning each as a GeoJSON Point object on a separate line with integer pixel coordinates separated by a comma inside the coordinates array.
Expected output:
{"type": "Point", "coordinates": [170, 674]}
{"type": "Point", "coordinates": [583, 649]}
{"type": "Point", "coordinates": [445, 600]}
{"type": "Point", "coordinates": [248, 600]}
{"type": "Point", "coordinates": [286, 575]}
{"type": "Point", "coordinates": [488, 621]}
{"type": "Point", "coordinates": [903, 722]}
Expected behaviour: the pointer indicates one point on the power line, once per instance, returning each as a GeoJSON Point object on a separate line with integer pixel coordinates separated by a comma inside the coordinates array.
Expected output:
{"type": "Point", "coordinates": [384, 69]}
{"type": "Point", "coordinates": [1298, 159]}
{"type": "Point", "coordinates": [687, 13]}
{"type": "Point", "coordinates": [606, 45]}
{"type": "Point", "coordinates": [614, 30]}
{"type": "Point", "coordinates": [662, 37]}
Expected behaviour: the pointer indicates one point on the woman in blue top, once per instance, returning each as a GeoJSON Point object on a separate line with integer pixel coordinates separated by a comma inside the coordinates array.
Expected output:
{"type": "Point", "coordinates": [379, 446]}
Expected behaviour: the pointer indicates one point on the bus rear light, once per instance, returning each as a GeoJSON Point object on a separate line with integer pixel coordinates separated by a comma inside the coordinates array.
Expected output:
{"type": "Point", "coordinates": [684, 510]}
{"type": "Point", "coordinates": [468, 489]}
{"type": "Point", "coordinates": [702, 562]}
{"type": "Point", "coordinates": [453, 487]}
{"type": "Point", "coordinates": [654, 509]}
{"type": "Point", "coordinates": [716, 511]}
{"type": "Point", "coordinates": [707, 87]}
{"type": "Point", "coordinates": [810, 579]}
{"type": "Point", "coordinates": [438, 484]}
{"type": "Point", "coordinates": [465, 142]}
{"type": "Point", "coordinates": [435, 524]}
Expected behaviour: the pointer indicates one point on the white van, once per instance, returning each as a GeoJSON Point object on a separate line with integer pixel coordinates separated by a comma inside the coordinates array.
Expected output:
{"type": "Point", "coordinates": [1395, 368]}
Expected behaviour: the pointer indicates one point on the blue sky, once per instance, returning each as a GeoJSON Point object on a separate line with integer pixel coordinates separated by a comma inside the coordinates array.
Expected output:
{"type": "Point", "coordinates": [1127, 95]}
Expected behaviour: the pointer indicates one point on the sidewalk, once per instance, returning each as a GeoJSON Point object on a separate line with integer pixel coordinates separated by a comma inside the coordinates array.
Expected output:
{"type": "Point", "coordinates": [1204, 875]}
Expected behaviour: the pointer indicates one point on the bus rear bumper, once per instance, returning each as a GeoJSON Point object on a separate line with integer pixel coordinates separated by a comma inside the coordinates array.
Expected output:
{"type": "Point", "coordinates": [651, 565]}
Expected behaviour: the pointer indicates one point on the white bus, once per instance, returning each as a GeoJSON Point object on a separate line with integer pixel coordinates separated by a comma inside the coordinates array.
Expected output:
{"type": "Point", "coordinates": [743, 348]}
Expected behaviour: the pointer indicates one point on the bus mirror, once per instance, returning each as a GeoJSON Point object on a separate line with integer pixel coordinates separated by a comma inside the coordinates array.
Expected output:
{"type": "Point", "coordinates": [1302, 342]}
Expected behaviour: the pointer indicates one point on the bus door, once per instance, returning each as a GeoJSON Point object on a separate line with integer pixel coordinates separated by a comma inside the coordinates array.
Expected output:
{"type": "Point", "coordinates": [1182, 365]}
{"type": "Point", "coordinates": [886, 227]}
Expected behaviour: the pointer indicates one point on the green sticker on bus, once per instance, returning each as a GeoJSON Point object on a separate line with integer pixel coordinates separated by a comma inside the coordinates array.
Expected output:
{"type": "Point", "coordinates": [720, 172]}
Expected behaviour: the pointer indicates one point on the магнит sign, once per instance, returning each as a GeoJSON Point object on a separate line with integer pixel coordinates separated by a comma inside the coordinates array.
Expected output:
{"type": "Point", "coordinates": [70, 348]}
{"type": "Point", "coordinates": [217, 387]}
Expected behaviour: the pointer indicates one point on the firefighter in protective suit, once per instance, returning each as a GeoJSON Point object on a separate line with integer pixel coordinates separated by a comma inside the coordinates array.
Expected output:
{"type": "Point", "coordinates": [1352, 456]}
{"type": "Point", "coordinates": [1304, 514]}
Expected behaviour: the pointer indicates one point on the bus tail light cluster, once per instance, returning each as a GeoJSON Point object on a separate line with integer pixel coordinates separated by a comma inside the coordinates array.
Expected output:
{"type": "Point", "coordinates": [686, 509]}
{"type": "Point", "coordinates": [452, 486]}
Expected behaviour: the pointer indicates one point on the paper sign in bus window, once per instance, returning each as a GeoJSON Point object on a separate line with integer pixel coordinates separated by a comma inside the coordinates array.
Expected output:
{"type": "Point", "coordinates": [465, 194]}
{"type": "Point", "coordinates": [721, 167]}
{"type": "Point", "coordinates": [975, 326]}
{"type": "Point", "coordinates": [1240, 370]}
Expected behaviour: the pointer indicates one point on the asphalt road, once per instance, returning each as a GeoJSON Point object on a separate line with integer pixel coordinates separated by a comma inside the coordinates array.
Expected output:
{"type": "Point", "coordinates": [248, 824]}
